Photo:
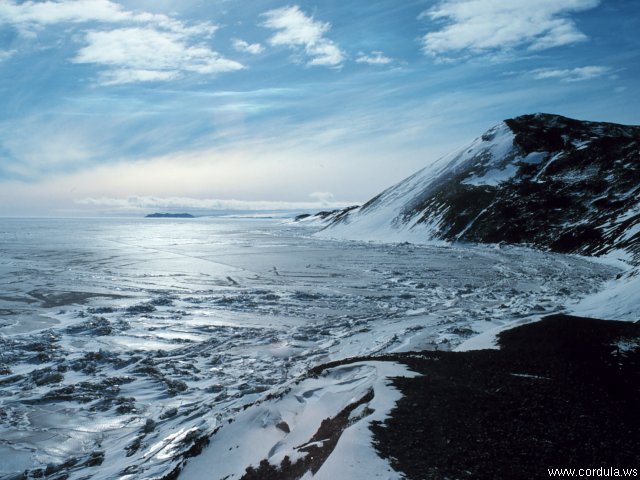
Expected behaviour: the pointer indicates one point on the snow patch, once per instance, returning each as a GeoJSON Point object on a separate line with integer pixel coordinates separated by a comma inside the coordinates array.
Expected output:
{"type": "Point", "coordinates": [618, 300]}
{"type": "Point", "coordinates": [488, 340]}
{"type": "Point", "coordinates": [625, 346]}
{"type": "Point", "coordinates": [493, 177]}
{"type": "Point", "coordinates": [256, 435]}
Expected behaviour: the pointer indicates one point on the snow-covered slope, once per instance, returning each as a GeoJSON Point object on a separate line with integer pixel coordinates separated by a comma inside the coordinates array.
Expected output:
{"type": "Point", "coordinates": [281, 438]}
{"type": "Point", "coordinates": [543, 180]}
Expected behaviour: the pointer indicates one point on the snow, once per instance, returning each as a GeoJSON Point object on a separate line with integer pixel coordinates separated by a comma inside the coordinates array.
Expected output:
{"type": "Point", "coordinates": [488, 340]}
{"type": "Point", "coordinates": [375, 227]}
{"type": "Point", "coordinates": [633, 211]}
{"type": "Point", "coordinates": [625, 346]}
{"type": "Point", "coordinates": [381, 221]}
{"type": "Point", "coordinates": [494, 176]}
{"type": "Point", "coordinates": [354, 456]}
{"type": "Point", "coordinates": [581, 145]}
{"type": "Point", "coordinates": [618, 300]}
{"type": "Point", "coordinates": [485, 341]}
{"type": "Point", "coordinates": [169, 331]}
{"type": "Point", "coordinates": [631, 232]}
{"type": "Point", "coordinates": [534, 158]}
{"type": "Point", "coordinates": [549, 162]}
{"type": "Point", "coordinates": [526, 375]}
{"type": "Point", "coordinates": [254, 435]}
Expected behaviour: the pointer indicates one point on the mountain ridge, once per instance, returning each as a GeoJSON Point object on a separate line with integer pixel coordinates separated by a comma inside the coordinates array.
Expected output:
{"type": "Point", "coordinates": [543, 180]}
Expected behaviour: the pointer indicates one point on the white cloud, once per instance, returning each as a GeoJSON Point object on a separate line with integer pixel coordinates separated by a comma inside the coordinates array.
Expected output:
{"type": "Point", "coordinates": [482, 26]}
{"type": "Point", "coordinates": [136, 46]}
{"type": "Point", "coordinates": [325, 53]}
{"type": "Point", "coordinates": [132, 75]}
{"type": "Point", "coordinates": [6, 54]}
{"type": "Point", "coordinates": [83, 11]}
{"type": "Point", "coordinates": [50, 12]}
{"type": "Point", "coordinates": [375, 58]}
{"type": "Point", "coordinates": [297, 30]}
{"type": "Point", "coordinates": [570, 74]}
{"type": "Point", "coordinates": [246, 47]}
{"type": "Point", "coordinates": [146, 54]}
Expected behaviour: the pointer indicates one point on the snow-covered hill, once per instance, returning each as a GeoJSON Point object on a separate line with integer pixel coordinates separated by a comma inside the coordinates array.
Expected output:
{"type": "Point", "coordinates": [544, 180]}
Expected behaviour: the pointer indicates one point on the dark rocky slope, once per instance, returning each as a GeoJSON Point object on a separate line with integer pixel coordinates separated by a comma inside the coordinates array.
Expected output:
{"type": "Point", "coordinates": [544, 180]}
{"type": "Point", "coordinates": [560, 393]}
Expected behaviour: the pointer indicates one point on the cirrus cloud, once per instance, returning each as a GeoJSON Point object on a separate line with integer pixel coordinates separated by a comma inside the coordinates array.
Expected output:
{"type": "Point", "coordinates": [577, 74]}
{"type": "Point", "coordinates": [374, 58]}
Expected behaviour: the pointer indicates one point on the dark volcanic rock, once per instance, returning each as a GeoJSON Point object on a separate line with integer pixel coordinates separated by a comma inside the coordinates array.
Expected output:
{"type": "Point", "coordinates": [561, 393]}
{"type": "Point", "coordinates": [326, 217]}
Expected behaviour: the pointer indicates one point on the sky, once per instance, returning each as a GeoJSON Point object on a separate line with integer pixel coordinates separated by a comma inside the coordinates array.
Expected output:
{"type": "Point", "coordinates": [132, 106]}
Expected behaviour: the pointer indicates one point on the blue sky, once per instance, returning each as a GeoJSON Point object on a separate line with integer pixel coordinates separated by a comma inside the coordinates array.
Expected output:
{"type": "Point", "coordinates": [129, 106]}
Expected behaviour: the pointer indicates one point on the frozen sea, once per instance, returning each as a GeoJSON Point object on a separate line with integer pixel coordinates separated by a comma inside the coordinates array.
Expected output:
{"type": "Point", "coordinates": [124, 341]}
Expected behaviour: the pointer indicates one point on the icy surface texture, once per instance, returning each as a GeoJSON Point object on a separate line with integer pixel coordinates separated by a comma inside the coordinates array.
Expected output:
{"type": "Point", "coordinates": [124, 343]}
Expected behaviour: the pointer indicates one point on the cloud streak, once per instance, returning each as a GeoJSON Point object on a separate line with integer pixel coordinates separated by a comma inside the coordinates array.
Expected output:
{"type": "Point", "coordinates": [374, 58]}
{"type": "Point", "coordinates": [299, 31]}
{"type": "Point", "coordinates": [6, 54]}
{"type": "Point", "coordinates": [485, 26]}
{"type": "Point", "coordinates": [578, 74]}
{"type": "Point", "coordinates": [246, 47]}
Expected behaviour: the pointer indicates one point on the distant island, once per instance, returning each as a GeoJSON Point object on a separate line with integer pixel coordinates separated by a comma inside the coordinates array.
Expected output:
{"type": "Point", "coordinates": [169, 215]}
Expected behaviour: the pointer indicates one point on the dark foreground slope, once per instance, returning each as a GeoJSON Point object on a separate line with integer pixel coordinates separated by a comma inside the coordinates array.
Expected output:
{"type": "Point", "coordinates": [560, 393]}
{"type": "Point", "coordinates": [544, 180]}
